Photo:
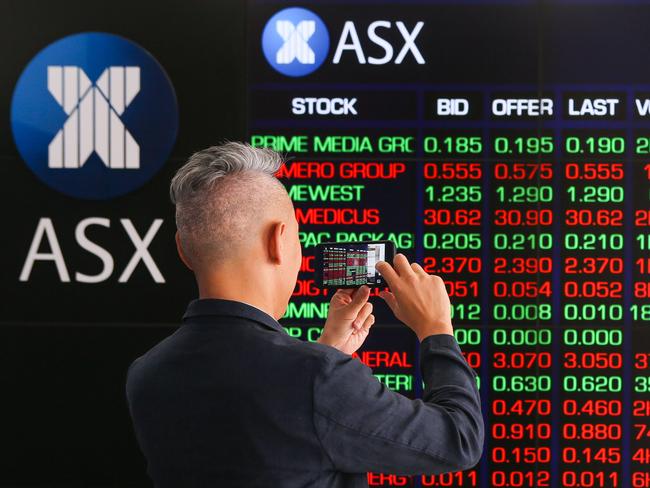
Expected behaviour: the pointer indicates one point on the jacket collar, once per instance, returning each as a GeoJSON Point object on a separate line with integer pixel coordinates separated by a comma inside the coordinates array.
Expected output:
{"type": "Point", "coordinates": [219, 306]}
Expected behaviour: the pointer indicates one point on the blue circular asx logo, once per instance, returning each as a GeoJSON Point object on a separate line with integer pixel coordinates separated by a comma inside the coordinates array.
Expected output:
{"type": "Point", "coordinates": [295, 41]}
{"type": "Point", "coordinates": [94, 116]}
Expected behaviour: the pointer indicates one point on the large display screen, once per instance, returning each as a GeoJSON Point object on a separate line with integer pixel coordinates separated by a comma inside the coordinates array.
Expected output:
{"type": "Point", "coordinates": [506, 147]}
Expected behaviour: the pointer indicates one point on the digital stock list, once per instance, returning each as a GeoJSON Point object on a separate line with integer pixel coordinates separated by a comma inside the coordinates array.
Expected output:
{"type": "Point", "coordinates": [491, 148]}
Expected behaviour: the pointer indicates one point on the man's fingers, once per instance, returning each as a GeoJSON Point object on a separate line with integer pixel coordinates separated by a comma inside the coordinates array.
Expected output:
{"type": "Point", "coordinates": [344, 294]}
{"type": "Point", "coordinates": [390, 299]}
{"type": "Point", "coordinates": [345, 291]}
{"type": "Point", "coordinates": [401, 265]}
{"type": "Point", "coordinates": [418, 269]}
{"type": "Point", "coordinates": [387, 271]}
{"type": "Point", "coordinates": [370, 319]}
{"type": "Point", "coordinates": [363, 314]}
{"type": "Point", "coordinates": [359, 298]}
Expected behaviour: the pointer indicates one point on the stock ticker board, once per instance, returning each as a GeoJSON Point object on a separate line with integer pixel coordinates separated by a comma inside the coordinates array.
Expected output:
{"type": "Point", "coordinates": [506, 147]}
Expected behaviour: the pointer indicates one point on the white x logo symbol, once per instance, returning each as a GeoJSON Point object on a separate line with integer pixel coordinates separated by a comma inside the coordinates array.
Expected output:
{"type": "Point", "coordinates": [295, 41]}
{"type": "Point", "coordinates": [94, 112]}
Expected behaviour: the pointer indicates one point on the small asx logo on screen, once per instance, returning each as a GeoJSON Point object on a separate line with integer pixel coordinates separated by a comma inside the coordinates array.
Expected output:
{"type": "Point", "coordinates": [94, 116]}
{"type": "Point", "coordinates": [296, 42]}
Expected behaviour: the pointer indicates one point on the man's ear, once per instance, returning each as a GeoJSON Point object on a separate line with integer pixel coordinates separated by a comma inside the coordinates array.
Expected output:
{"type": "Point", "coordinates": [181, 253]}
{"type": "Point", "coordinates": [275, 243]}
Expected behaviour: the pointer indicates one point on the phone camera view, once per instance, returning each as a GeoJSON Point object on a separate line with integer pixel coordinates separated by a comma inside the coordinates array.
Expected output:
{"type": "Point", "coordinates": [352, 264]}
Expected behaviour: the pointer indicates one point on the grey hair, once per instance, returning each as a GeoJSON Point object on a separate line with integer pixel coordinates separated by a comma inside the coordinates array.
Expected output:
{"type": "Point", "coordinates": [205, 167]}
{"type": "Point", "coordinates": [220, 195]}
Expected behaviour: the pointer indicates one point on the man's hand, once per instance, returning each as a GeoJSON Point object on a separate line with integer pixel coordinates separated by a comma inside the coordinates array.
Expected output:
{"type": "Point", "coordinates": [349, 319]}
{"type": "Point", "coordinates": [416, 298]}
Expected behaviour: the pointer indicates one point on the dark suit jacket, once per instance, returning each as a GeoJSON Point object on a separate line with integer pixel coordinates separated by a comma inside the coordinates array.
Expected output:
{"type": "Point", "coordinates": [230, 399]}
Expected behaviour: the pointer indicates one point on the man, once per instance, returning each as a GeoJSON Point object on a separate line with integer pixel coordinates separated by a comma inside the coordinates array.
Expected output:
{"type": "Point", "coordinates": [230, 399]}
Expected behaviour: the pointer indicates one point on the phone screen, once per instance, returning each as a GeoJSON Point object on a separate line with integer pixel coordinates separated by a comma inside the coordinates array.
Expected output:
{"type": "Point", "coordinates": [352, 264]}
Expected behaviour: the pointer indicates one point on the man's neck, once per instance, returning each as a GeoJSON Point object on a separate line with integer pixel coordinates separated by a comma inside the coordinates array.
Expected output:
{"type": "Point", "coordinates": [238, 290]}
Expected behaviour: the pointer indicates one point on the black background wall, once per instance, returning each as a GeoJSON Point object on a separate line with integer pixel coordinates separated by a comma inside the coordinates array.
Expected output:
{"type": "Point", "coordinates": [65, 347]}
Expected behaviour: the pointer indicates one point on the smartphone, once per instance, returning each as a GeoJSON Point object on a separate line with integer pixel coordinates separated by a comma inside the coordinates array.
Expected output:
{"type": "Point", "coordinates": [352, 264]}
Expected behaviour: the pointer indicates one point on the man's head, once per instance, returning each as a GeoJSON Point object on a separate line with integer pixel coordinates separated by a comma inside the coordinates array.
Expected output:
{"type": "Point", "coordinates": [236, 225]}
